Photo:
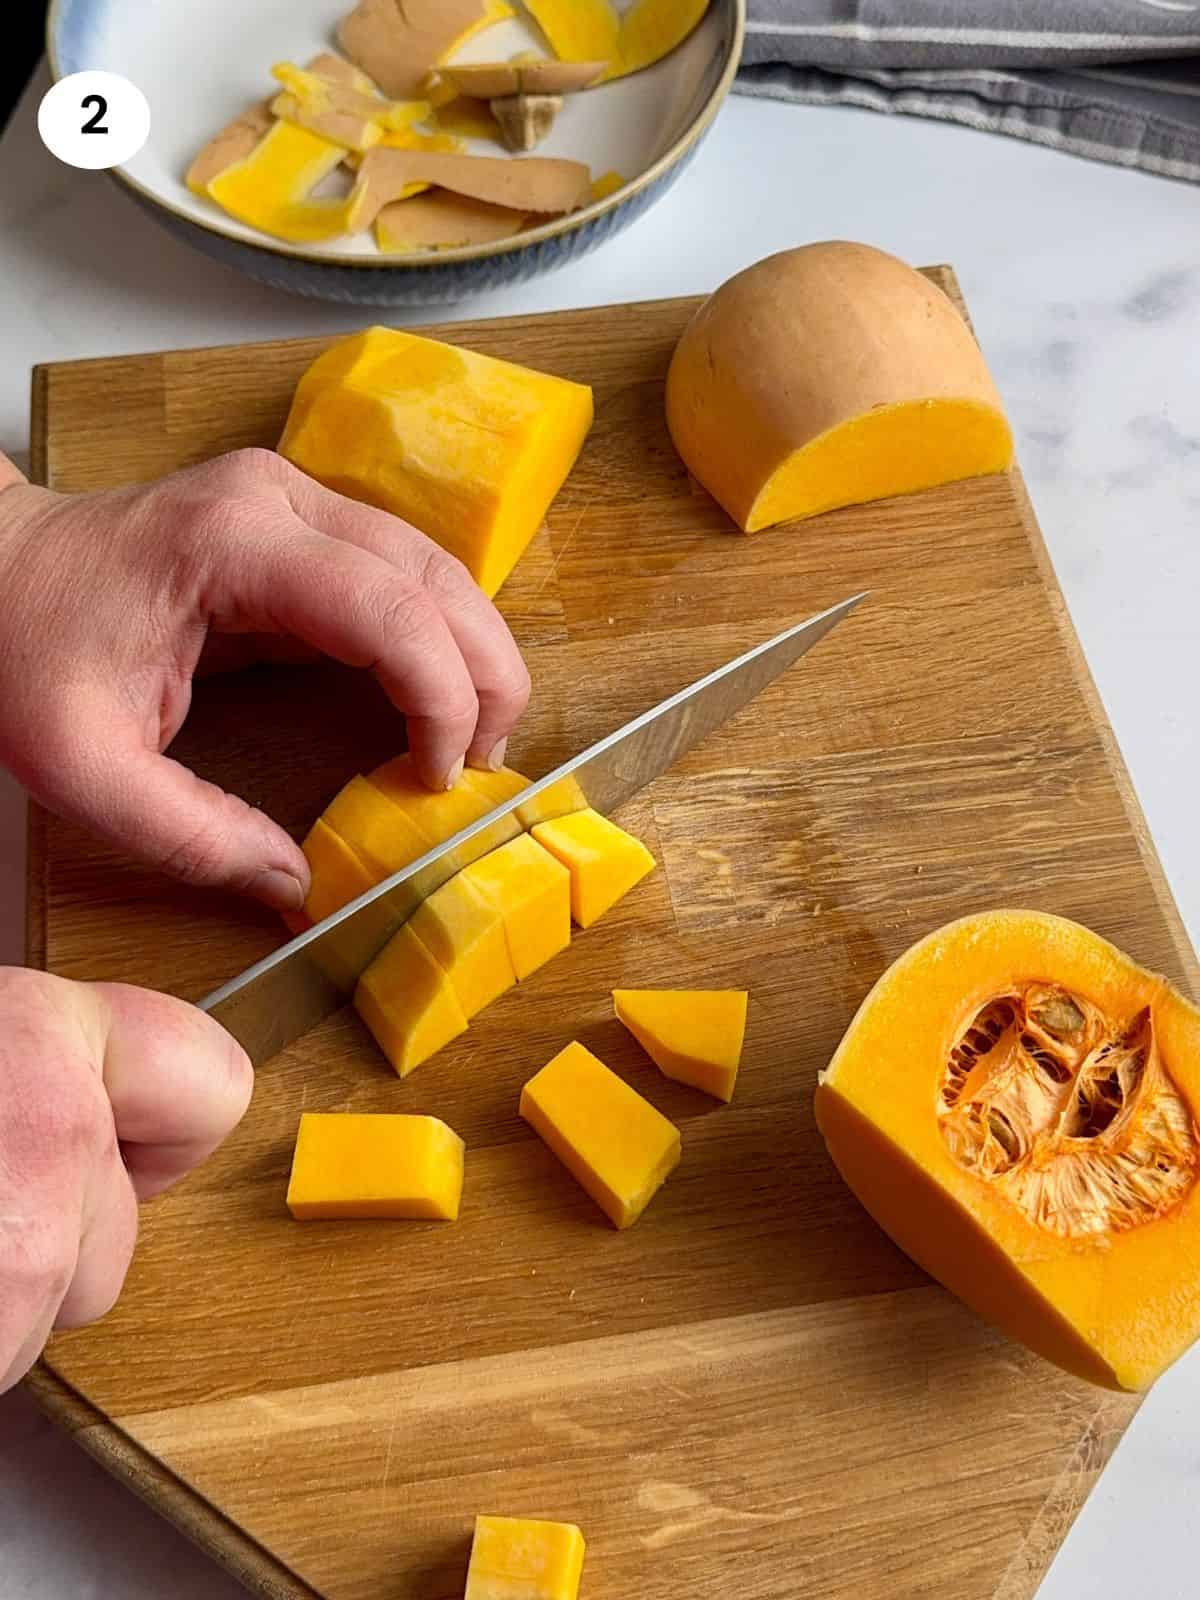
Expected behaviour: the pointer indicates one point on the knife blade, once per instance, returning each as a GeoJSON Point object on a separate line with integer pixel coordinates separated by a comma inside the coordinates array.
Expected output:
{"type": "Point", "coordinates": [280, 998]}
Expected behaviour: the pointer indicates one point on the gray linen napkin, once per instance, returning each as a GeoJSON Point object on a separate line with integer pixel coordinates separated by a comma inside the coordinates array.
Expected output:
{"type": "Point", "coordinates": [1116, 80]}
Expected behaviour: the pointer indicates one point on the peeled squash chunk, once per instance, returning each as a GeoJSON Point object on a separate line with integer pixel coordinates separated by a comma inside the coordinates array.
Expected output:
{"type": "Point", "coordinates": [438, 816]}
{"type": "Point", "coordinates": [692, 1035]}
{"type": "Point", "coordinates": [604, 861]}
{"type": "Point", "coordinates": [1016, 1104]}
{"type": "Point", "coordinates": [463, 930]}
{"type": "Point", "coordinates": [513, 1558]}
{"type": "Point", "coordinates": [614, 1143]}
{"type": "Point", "coordinates": [470, 449]}
{"type": "Point", "coordinates": [532, 892]}
{"type": "Point", "coordinates": [270, 187]}
{"type": "Point", "coordinates": [826, 376]}
{"type": "Point", "coordinates": [339, 873]}
{"type": "Point", "coordinates": [377, 829]}
{"type": "Point", "coordinates": [352, 1164]}
{"type": "Point", "coordinates": [408, 1002]}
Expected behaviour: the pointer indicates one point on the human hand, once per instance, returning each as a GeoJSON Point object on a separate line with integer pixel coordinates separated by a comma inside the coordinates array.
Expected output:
{"type": "Point", "coordinates": [110, 600]}
{"type": "Point", "coordinates": [108, 1094]}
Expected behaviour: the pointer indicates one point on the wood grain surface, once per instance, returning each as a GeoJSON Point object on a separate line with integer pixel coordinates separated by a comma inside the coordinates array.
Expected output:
{"type": "Point", "coordinates": [751, 1392]}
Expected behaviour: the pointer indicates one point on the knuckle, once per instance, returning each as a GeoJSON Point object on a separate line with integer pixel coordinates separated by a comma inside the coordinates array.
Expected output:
{"type": "Point", "coordinates": [402, 609]}
{"type": "Point", "coordinates": [255, 462]}
{"type": "Point", "coordinates": [38, 1264]}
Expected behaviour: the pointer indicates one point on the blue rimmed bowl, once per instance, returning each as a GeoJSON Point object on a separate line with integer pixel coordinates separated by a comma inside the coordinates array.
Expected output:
{"type": "Point", "coordinates": [200, 62]}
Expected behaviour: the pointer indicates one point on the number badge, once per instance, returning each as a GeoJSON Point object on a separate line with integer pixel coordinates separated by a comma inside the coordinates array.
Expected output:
{"type": "Point", "coordinates": [94, 120]}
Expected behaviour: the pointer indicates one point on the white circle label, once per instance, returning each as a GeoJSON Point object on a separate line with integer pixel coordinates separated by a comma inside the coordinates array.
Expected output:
{"type": "Point", "coordinates": [94, 120]}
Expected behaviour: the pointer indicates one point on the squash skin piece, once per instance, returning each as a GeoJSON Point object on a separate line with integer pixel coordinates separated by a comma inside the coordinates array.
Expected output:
{"type": "Point", "coordinates": [269, 187]}
{"type": "Point", "coordinates": [513, 1558]}
{"type": "Point", "coordinates": [826, 376]}
{"type": "Point", "coordinates": [352, 1164]}
{"type": "Point", "coordinates": [398, 56]}
{"type": "Point", "coordinates": [469, 449]}
{"type": "Point", "coordinates": [532, 891]}
{"type": "Point", "coordinates": [611, 1141]}
{"type": "Point", "coordinates": [604, 861]}
{"type": "Point", "coordinates": [408, 1003]}
{"type": "Point", "coordinates": [692, 1035]}
{"type": "Point", "coordinates": [463, 930]}
{"type": "Point", "coordinates": [1116, 1307]}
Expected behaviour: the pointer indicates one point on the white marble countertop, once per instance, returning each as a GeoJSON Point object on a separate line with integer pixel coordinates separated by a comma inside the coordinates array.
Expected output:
{"type": "Point", "coordinates": [1084, 285]}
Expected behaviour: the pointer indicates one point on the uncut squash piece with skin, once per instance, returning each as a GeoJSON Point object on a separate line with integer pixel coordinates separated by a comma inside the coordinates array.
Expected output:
{"type": "Point", "coordinates": [1016, 1104]}
{"type": "Point", "coordinates": [368, 1165]}
{"type": "Point", "coordinates": [397, 41]}
{"type": "Point", "coordinates": [408, 1003]}
{"type": "Point", "coordinates": [827, 376]}
{"type": "Point", "coordinates": [337, 110]}
{"type": "Point", "coordinates": [491, 443]}
{"type": "Point", "coordinates": [692, 1035]}
{"type": "Point", "coordinates": [604, 861]}
{"type": "Point", "coordinates": [612, 1141]}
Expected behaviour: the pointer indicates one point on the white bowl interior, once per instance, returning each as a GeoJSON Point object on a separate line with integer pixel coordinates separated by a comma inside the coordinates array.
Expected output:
{"type": "Point", "coordinates": [201, 62]}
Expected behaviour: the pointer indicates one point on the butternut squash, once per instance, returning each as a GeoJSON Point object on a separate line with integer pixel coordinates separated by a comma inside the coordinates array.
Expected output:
{"type": "Point", "coordinates": [470, 449]}
{"type": "Point", "coordinates": [408, 1003]}
{"type": "Point", "coordinates": [532, 892]}
{"type": "Point", "coordinates": [398, 41]}
{"type": "Point", "coordinates": [513, 1558]}
{"type": "Point", "coordinates": [692, 1035]}
{"type": "Point", "coordinates": [463, 930]}
{"type": "Point", "coordinates": [338, 873]}
{"type": "Point", "coordinates": [604, 861]}
{"type": "Point", "coordinates": [1016, 1103]}
{"type": "Point", "coordinates": [350, 1164]}
{"type": "Point", "coordinates": [611, 1141]}
{"type": "Point", "coordinates": [826, 376]}
{"type": "Point", "coordinates": [593, 30]}
{"type": "Point", "coordinates": [270, 186]}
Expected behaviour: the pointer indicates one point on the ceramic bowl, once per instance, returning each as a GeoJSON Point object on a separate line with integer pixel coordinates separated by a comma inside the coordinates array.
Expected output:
{"type": "Point", "coordinates": [200, 62]}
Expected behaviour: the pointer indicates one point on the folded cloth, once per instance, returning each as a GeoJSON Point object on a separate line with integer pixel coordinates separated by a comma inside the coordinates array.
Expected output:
{"type": "Point", "coordinates": [1116, 80]}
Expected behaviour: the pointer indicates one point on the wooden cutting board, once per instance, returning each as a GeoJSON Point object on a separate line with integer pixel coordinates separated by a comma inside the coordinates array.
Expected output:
{"type": "Point", "coordinates": [752, 1392]}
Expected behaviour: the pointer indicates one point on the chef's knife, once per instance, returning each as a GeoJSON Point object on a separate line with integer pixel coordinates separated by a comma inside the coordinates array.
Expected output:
{"type": "Point", "coordinates": [282, 996]}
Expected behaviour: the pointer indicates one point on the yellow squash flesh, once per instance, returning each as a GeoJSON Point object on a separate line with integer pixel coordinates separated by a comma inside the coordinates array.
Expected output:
{"type": "Point", "coordinates": [1016, 1104]}
{"type": "Point", "coordinates": [514, 1558]}
{"type": "Point", "coordinates": [470, 449]}
{"type": "Point", "coordinates": [270, 187]}
{"type": "Point", "coordinates": [604, 861]}
{"type": "Point", "coordinates": [614, 1143]}
{"type": "Point", "coordinates": [692, 1035]}
{"type": "Point", "coordinates": [350, 1164]}
{"type": "Point", "coordinates": [408, 1003]}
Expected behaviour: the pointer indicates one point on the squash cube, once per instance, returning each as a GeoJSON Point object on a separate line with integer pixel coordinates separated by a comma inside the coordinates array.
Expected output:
{"type": "Point", "coordinates": [339, 873]}
{"type": "Point", "coordinates": [470, 449]}
{"type": "Point", "coordinates": [532, 891]}
{"type": "Point", "coordinates": [408, 1002]}
{"type": "Point", "coordinates": [513, 1558]}
{"type": "Point", "coordinates": [352, 1165]}
{"type": "Point", "coordinates": [378, 829]}
{"type": "Point", "coordinates": [604, 861]}
{"type": "Point", "coordinates": [692, 1035]}
{"type": "Point", "coordinates": [614, 1143]}
{"type": "Point", "coordinates": [438, 816]}
{"type": "Point", "coordinates": [463, 930]}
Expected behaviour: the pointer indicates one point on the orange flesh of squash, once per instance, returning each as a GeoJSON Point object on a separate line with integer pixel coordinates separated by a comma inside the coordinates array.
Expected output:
{"type": "Point", "coordinates": [692, 1035]}
{"type": "Point", "coordinates": [1016, 1103]}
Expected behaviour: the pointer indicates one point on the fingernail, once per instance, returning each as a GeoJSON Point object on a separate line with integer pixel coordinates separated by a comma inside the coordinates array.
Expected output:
{"type": "Point", "coordinates": [495, 758]}
{"type": "Point", "coordinates": [455, 773]}
{"type": "Point", "coordinates": [279, 889]}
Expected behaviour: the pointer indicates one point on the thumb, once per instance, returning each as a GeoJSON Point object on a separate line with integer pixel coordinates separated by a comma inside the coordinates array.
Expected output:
{"type": "Point", "coordinates": [160, 812]}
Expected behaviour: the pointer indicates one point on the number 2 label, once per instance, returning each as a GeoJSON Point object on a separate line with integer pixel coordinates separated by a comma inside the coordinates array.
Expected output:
{"type": "Point", "coordinates": [77, 109]}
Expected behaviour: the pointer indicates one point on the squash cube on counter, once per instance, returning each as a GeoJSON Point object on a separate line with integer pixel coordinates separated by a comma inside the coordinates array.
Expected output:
{"type": "Point", "coordinates": [408, 1002]}
{"type": "Point", "coordinates": [532, 891]}
{"type": "Point", "coordinates": [513, 1558]}
{"type": "Point", "coordinates": [469, 449]}
{"type": "Point", "coordinates": [692, 1035]}
{"type": "Point", "coordinates": [463, 930]}
{"type": "Point", "coordinates": [351, 1165]}
{"type": "Point", "coordinates": [612, 1141]}
{"type": "Point", "coordinates": [604, 861]}
{"type": "Point", "coordinates": [339, 873]}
